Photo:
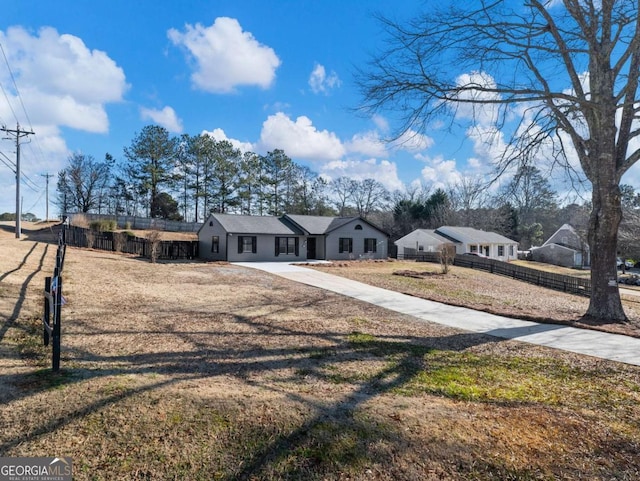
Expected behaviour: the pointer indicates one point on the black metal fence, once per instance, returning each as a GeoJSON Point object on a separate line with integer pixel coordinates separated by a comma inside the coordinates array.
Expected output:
{"type": "Point", "coordinates": [122, 242]}
{"type": "Point", "coordinates": [53, 302]}
{"type": "Point", "coordinates": [560, 282]}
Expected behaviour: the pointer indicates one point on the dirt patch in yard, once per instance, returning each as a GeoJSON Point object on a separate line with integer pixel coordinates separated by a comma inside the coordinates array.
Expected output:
{"type": "Point", "coordinates": [207, 371]}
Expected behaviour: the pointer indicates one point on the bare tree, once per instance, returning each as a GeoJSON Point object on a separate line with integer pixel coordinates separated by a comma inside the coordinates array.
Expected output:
{"type": "Point", "coordinates": [81, 183]}
{"type": "Point", "coordinates": [446, 254]}
{"type": "Point", "coordinates": [342, 189]}
{"type": "Point", "coordinates": [369, 195]}
{"type": "Point", "coordinates": [570, 68]}
{"type": "Point", "coordinates": [466, 195]}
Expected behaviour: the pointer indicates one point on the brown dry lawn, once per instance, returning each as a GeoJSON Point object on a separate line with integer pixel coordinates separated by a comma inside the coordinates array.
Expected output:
{"type": "Point", "coordinates": [486, 292]}
{"type": "Point", "coordinates": [205, 371]}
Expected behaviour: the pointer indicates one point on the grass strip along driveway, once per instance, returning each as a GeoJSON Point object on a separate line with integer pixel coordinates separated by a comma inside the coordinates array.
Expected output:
{"type": "Point", "coordinates": [210, 371]}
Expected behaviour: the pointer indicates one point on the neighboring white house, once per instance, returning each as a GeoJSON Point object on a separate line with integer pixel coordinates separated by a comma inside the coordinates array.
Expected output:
{"type": "Point", "coordinates": [289, 238]}
{"type": "Point", "coordinates": [465, 239]}
{"type": "Point", "coordinates": [564, 248]}
{"type": "Point", "coordinates": [418, 241]}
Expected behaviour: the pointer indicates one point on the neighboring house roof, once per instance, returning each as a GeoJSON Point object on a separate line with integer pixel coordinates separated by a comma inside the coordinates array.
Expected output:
{"type": "Point", "coordinates": [566, 236]}
{"type": "Point", "coordinates": [469, 235]}
{"type": "Point", "coordinates": [428, 236]}
{"type": "Point", "coordinates": [254, 224]}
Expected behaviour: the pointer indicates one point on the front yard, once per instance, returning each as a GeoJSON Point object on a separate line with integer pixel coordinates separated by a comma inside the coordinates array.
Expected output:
{"type": "Point", "coordinates": [207, 371]}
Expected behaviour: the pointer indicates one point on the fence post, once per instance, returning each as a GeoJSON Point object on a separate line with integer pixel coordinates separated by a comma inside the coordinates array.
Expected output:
{"type": "Point", "coordinates": [56, 322]}
{"type": "Point", "coordinates": [46, 318]}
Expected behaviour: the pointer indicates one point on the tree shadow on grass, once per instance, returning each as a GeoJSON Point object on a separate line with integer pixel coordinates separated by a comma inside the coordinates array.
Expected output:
{"type": "Point", "coordinates": [333, 437]}
{"type": "Point", "coordinates": [11, 320]}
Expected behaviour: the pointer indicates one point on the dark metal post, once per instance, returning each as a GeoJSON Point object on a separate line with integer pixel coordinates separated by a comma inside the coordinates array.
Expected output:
{"type": "Point", "coordinates": [47, 311]}
{"type": "Point", "coordinates": [56, 322]}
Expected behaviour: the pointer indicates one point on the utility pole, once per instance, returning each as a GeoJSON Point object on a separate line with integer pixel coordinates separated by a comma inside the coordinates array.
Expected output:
{"type": "Point", "coordinates": [47, 176]}
{"type": "Point", "coordinates": [17, 133]}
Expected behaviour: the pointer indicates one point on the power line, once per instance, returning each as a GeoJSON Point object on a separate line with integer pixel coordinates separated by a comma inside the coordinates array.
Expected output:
{"type": "Point", "coordinates": [15, 85]}
{"type": "Point", "coordinates": [4, 92]}
{"type": "Point", "coordinates": [39, 152]}
{"type": "Point", "coordinates": [36, 203]}
{"type": "Point", "coordinates": [11, 164]}
{"type": "Point", "coordinates": [28, 180]}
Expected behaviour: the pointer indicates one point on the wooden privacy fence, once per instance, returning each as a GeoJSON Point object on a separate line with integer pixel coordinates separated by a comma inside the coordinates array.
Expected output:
{"type": "Point", "coordinates": [559, 282]}
{"type": "Point", "coordinates": [122, 242]}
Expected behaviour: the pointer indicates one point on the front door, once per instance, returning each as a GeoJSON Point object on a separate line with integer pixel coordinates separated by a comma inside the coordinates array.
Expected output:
{"type": "Point", "coordinates": [311, 247]}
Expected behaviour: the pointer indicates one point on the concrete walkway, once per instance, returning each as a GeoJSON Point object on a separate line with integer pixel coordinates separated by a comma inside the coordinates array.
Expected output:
{"type": "Point", "coordinates": [614, 347]}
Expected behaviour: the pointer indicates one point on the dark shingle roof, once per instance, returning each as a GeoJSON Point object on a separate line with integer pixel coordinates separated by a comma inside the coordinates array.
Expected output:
{"type": "Point", "coordinates": [253, 224]}
{"type": "Point", "coordinates": [286, 225]}
{"type": "Point", "coordinates": [317, 225]}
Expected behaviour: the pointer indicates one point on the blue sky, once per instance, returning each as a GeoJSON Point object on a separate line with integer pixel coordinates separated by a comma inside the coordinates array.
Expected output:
{"type": "Point", "coordinates": [263, 74]}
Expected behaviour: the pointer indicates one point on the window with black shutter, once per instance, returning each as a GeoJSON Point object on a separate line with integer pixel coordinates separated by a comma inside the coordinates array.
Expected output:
{"type": "Point", "coordinates": [345, 244]}
{"type": "Point", "coordinates": [370, 245]}
{"type": "Point", "coordinates": [287, 245]}
{"type": "Point", "coordinates": [247, 244]}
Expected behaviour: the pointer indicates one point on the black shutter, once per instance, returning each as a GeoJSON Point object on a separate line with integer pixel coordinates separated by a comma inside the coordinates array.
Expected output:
{"type": "Point", "coordinates": [297, 247]}
{"type": "Point", "coordinates": [277, 246]}
{"type": "Point", "coordinates": [366, 246]}
{"type": "Point", "coordinates": [239, 244]}
{"type": "Point", "coordinates": [254, 244]}
{"type": "Point", "coordinates": [375, 245]}
{"type": "Point", "coordinates": [350, 244]}
{"type": "Point", "coordinates": [340, 249]}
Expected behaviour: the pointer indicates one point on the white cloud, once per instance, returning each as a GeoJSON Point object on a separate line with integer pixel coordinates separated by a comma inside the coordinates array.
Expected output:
{"type": "Point", "coordinates": [384, 171]}
{"type": "Point", "coordinates": [61, 81]}
{"type": "Point", "coordinates": [320, 82]}
{"type": "Point", "coordinates": [381, 123]}
{"type": "Point", "coordinates": [371, 144]}
{"type": "Point", "coordinates": [226, 57]}
{"type": "Point", "coordinates": [367, 143]}
{"type": "Point", "coordinates": [219, 135]}
{"type": "Point", "coordinates": [440, 172]}
{"type": "Point", "coordinates": [413, 141]}
{"type": "Point", "coordinates": [481, 113]}
{"type": "Point", "coordinates": [166, 118]}
{"type": "Point", "coordinates": [299, 139]}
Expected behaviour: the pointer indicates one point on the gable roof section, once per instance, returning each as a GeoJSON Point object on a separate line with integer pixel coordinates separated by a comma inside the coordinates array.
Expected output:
{"type": "Point", "coordinates": [566, 230]}
{"type": "Point", "coordinates": [469, 235]}
{"type": "Point", "coordinates": [429, 235]}
{"type": "Point", "coordinates": [319, 225]}
{"type": "Point", "coordinates": [255, 224]}
{"type": "Point", "coordinates": [314, 224]}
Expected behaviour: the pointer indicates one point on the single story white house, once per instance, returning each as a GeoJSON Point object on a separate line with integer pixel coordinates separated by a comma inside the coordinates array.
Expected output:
{"type": "Point", "coordinates": [465, 240]}
{"type": "Point", "coordinates": [564, 248]}
{"type": "Point", "coordinates": [298, 238]}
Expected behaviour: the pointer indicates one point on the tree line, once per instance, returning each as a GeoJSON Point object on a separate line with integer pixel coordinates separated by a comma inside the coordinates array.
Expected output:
{"type": "Point", "coordinates": [190, 176]}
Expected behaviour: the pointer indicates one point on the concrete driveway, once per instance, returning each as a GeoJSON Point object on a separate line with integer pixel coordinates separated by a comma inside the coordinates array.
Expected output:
{"type": "Point", "coordinates": [614, 347]}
